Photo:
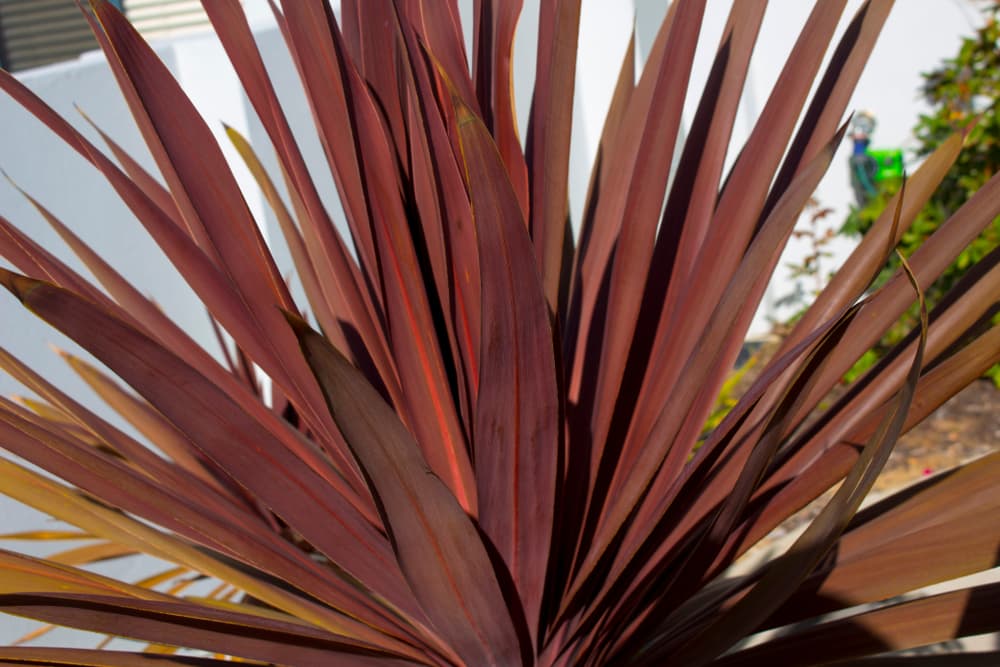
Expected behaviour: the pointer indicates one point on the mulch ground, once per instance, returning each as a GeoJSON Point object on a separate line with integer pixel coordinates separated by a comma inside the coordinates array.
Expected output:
{"type": "Point", "coordinates": [964, 428]}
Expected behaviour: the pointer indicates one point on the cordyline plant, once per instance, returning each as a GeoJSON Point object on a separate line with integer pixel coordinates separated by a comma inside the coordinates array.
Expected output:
{"type": "Point", "coordinates": [493, 452]}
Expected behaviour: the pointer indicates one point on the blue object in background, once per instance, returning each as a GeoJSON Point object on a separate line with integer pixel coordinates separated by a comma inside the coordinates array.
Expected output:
{"type": "Point", "coordinates": [870, 166]}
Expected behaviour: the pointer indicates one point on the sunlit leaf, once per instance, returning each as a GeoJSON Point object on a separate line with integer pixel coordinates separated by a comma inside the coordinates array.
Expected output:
{"type": "Point", "coordinates": [504, 445]}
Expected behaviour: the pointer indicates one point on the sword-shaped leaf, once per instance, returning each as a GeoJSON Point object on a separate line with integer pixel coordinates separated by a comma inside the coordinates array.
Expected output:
{"type": "Point", "coordinates": [517, 412]}
{"type": "Point", "coordinates": [436, 543]}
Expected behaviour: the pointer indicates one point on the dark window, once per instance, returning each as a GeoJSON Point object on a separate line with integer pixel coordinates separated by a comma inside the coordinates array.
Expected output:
{"type": "Point", "coordinates": [39, 32]}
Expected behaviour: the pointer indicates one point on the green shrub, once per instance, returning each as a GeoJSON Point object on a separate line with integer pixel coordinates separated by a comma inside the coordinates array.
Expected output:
{"type": "Point", "coordinates": [963, 92]}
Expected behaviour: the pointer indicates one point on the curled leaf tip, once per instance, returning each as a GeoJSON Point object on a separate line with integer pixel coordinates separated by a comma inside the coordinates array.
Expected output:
{"type": "Point", "coordinates": [915, 283]}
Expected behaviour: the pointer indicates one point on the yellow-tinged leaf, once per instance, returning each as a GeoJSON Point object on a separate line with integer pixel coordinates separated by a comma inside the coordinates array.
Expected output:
{"type": "Point", "coordinates": [157, 579]}
{"type": "Point", "coordinates": [43, 409]}
{"type": "Point", "coordinates": [64, 503]}
{"type": "Point", "coordinates": [24, 574]}
{"type": "Point", "coordinates": [91, 553]}
{"type": "Point", "coordinates": [263, 612]}
{"type": "Point", "coordinates": [34, 634]}
{"type": "Point", "coordinates": [221, 592]}
{"type": "Point", "coordinates": [84, 657]}
{"type": "Point", "coordinates": [182, 585]}
{"type": "Point", "coordinates": [48, 535]}
{"type": "Point", "coordinates": [293, 237]}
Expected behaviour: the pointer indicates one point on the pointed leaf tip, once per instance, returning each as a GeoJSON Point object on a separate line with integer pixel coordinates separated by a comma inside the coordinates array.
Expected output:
{"type": "Point", "coordinates": [299, 326]}
{"type": "Point", "coordinates": [18, 285]}
{"type": "Point", "coordinates": [842, 131]}
{"type": "Point", "coordinates": [61, 352]}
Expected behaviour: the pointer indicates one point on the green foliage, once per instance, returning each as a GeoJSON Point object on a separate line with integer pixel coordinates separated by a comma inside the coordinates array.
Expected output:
{"type": "Point", "coordinates": [964, 93]}
{"type": "Point", "coordinates": [818, 235]}
{"type": "Point", "coordinates": [729, 395]}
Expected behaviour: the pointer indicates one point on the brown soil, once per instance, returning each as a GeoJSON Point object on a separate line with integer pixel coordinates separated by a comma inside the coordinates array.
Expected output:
{"type": "Point", "coordinates": [964, 428]}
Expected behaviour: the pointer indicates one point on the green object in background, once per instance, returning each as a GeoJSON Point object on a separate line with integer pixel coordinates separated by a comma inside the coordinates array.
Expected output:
{"type": "Point", "coordinates": [962, 93]}
{"type": "Point", "coordinates": [889, 163]}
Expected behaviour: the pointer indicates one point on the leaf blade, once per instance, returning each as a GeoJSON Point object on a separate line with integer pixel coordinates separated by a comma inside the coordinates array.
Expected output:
{"type": "Point", "coordinates": [517, 414]}
{"type": "Point", "coordinates": [437, 545]}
